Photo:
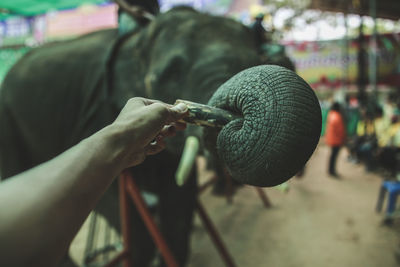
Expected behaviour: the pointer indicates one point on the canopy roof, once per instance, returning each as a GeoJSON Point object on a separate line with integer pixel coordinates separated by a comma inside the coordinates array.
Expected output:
{"type": "Point", "coordinates": [389, 9]}
{"type": "Point", "coordinates": [37, 7]}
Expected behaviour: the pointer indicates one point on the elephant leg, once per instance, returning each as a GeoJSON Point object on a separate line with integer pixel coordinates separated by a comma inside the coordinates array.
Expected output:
{"type": "Point", "coordinates": [224, 185]}
{"type": "Point", "coordinates": [14, 157]}
{"type": "Point", "coordinates": [142, 245]}
{"type": "Point", "coordinates": [176, 211]}
{"type": "Point", "coordinates": [108, 206]}
{"type": "Point", "coordinates": [143, 248]}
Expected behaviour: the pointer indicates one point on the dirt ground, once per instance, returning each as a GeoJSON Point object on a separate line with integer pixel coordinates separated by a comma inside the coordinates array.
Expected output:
{"type": "Point", "coordinates": [321, 221]}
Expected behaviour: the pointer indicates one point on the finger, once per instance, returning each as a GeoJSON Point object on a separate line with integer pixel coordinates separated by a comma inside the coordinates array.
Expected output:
{"type": "Point", "coordinates": [179, 109]}
{"type": "Point", "coordinates": [168, 130]}
{"type": "Point", "coordinates": [165, 115]}
{"type": "Point", "coordinates": [156, 116]}
{"type": "Point", "coordinates": [155, 147]}
{"type": "Point", "coordinates": [136, 102]}
{"type": "Point", "coordinates": [177, 112]}
{"type": "Point", "coordinates": [179, 126]}
{"type": "Point", "coordinates": [148, 102]}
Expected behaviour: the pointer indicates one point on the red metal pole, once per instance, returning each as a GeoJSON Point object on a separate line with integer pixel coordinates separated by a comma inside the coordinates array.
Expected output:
{"type": "Point", "coordinates": [117, 259]}
{"type": "Point", "coordinates": [125, 220]}
{"type": "Point", "coordinates": [263, 197]}
{"type": "Point", "coordinates": [141, 206]}
{"type": "Point", "coordinates": [229, 186]}
{"type": "Point", "coordinates": [214, 236]}
{"type": "Point", "coordinates": [207, 184]}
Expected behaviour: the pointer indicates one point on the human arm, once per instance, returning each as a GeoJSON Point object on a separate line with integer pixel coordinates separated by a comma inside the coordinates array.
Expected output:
{"type": "Point", "coordinates": [42, 209]}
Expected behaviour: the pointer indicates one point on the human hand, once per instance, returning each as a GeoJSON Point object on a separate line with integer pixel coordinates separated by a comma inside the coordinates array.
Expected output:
{"type": "Point", "coordinates": [142, 126]}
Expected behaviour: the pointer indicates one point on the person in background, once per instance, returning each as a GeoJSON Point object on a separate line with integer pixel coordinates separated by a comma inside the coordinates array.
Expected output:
{"type": "Point", "coordinates": [371, 130]}
{"type": "Point", "coordinates": [351, 117]}
{"type": "Point", "coordinates": [259, 32]}
{"type": "Point", "coordinates": [389, 151]}
{"type": "Point", "coordinates": [335, 136]}
{"type": "Point", "coordinates": [365, 132]}
{"type": "Point", "coordinates": [127, 23]}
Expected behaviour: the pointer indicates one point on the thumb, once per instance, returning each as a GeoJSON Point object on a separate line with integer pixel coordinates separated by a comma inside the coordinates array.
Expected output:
{"type": "Point", "coordinates": [178, 112]}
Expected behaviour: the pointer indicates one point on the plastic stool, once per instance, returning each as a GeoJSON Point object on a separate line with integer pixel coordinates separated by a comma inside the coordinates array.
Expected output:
{"type": "Point", "coordinates": [393, 188]}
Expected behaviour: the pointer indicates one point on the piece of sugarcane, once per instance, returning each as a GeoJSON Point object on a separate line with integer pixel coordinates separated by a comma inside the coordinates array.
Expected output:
{"type": "Point", "coordinates": [204, 115]}
{"type": "Point", "coordinates": [201, 115]}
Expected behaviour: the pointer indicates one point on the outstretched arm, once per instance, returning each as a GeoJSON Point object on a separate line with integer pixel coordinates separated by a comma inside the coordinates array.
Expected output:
{"type": "Point", "coordinates": [42, 209]}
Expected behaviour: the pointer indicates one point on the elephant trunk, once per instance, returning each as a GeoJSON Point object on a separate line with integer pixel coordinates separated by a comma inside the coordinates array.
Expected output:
{"type": "Point", "coordinates": [279, 127]}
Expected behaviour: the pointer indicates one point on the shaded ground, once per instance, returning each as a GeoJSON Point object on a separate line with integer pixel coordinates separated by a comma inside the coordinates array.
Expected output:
{"type": "Point", "coordinates": [321, 222]}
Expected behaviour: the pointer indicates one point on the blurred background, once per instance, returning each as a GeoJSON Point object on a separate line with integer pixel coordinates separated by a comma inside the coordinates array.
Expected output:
{"type": "Point", "coordinates": [349, 53]}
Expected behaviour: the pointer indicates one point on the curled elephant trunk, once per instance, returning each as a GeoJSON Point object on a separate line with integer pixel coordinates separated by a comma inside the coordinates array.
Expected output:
{"type": "Point", "coordinates": [279, 128]}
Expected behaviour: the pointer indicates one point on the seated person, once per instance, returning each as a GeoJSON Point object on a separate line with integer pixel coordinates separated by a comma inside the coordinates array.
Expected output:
{"type": "Point", "coordinates": [389, 151]}
{"type": "Point", "coordinates": [365, 130]}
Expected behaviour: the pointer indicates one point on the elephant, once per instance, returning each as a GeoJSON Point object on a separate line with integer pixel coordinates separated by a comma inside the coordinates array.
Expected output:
{"type": "Point", "coordinates": [62, 92]}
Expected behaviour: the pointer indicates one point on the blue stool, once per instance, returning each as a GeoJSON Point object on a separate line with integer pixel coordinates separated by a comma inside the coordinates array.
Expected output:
{"type": "Point", "coordinates": [393, 188]}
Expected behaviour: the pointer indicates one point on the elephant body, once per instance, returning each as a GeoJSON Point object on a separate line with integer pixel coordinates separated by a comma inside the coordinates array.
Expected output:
{"type": "Point", "coordinates": [60, 93]}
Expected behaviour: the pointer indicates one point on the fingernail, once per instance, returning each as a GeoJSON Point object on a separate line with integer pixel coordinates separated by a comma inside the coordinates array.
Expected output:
{"type": "Point", "coordinates": [181, 108]}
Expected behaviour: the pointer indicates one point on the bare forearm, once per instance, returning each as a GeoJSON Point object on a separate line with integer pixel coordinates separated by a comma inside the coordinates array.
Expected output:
{"type": "Point", "coordinates": [42, 209]}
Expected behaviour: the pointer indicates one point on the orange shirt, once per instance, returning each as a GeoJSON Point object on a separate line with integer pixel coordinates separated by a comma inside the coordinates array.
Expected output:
{"type": "Point", "coordinates": [335, 130]}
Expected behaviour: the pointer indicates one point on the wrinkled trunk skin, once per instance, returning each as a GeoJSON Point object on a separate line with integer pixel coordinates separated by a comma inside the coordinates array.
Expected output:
{"type": "Point", "coordinates": [280, 128]}
{"type": "Point", "coordinates": [59, 94]}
